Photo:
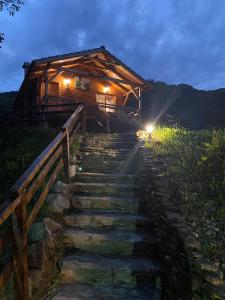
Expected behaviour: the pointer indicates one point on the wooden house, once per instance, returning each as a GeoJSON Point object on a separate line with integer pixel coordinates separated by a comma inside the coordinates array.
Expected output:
{"type": "Point", "coordinates": [94, 77]}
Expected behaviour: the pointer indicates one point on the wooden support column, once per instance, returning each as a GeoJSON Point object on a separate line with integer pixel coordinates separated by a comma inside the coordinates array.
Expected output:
{"type": "Point", "coordinates": [66, 154]}
{"type": "Point", "coordinates": [139, 94]}
{"type": "Point", "coordinates": [108, 125]}
{"type": "Point", "coordinates": [20, 251]}
{"type": "Point", "coordinates": [46, 81]}
{"type": "Point", "coordinates": [84, 120]}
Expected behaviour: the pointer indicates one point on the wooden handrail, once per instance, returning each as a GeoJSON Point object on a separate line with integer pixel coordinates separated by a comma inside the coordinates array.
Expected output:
{"type": "Point", "coordinates": [45, 168]}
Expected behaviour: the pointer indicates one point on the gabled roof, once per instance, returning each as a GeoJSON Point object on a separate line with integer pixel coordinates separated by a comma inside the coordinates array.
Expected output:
{"type": "Point", "coordinates": [98, 56]}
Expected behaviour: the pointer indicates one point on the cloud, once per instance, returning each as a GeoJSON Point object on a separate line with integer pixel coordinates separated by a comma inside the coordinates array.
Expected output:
{"type": "Point", "coordinates": [169, 40]}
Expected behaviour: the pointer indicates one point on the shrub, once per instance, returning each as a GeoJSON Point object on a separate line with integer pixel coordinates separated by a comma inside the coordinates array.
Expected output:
{"type": "Point", "coordinates": [196, 167]}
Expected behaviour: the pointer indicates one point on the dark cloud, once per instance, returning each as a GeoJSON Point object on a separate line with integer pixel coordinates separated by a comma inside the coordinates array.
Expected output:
{"type": "Point", "coordinates": [171, 40]}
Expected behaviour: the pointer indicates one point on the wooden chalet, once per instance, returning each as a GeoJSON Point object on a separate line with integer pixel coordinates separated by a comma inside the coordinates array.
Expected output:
{"type": "Point", "coordinates": [94, 77]}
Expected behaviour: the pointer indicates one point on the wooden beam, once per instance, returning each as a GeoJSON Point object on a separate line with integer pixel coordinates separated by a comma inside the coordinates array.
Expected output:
{"type": "Point", "coordinates": [54, 76]}
{"type": "Point", "coordinates": [113, 69]}
{"type": "Point", "coordinates": [104, 78]}
{"type": "Point", "coordinates": [102, 61]}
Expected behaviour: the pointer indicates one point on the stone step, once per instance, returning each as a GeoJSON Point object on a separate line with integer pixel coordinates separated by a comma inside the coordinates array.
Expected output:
{"type": "Point", "coordinates": [114, 242]}
{"type": "Point", "coordinates": [110, 142]}
{"type": "Point", "coordinates": [109, 145]}
{"type": "Point", "coordinates": [107, 170]}
{"type": "Point", "coordinates": [95, 149]}
{"type": "Point", "coordinates": [122, 167]}
{"type": "Point", "coordinates": [101, 158]}
{"type": "Point", "coordinates": [103, 189]}
{"type": "Point", "coordinates": [111, 162]}
{"type": "Point", "coordinates": [79, 291]}
{"type": "Point", "coordinates": [106, 220]}
{"type": "Point", "coordinates": [113, 137]}
{"type": "Point", "coordinates": [101, 271]}
{"type": "Point", "coordinates": [104, 178]}
{"type": "Point", "coordinates": [110, 204]}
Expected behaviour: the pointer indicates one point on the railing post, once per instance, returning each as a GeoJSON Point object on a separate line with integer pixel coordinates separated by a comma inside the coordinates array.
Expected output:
{"type": "Point", "coordinates": [84, 120]}
{"type": "Point", "coordinates": [108, 125]}
{"type": "Point", "coordinates": [20, 252]}
{"type": "Point", "coordinates": [66, 154]}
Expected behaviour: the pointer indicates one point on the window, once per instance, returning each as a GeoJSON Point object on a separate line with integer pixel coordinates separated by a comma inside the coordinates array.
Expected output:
{"type": "Point", "coordinates": [107, 102]}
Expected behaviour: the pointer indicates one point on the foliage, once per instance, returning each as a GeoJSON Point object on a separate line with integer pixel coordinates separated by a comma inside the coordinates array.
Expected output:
{"type": "Point", "coordinates": [6, 102]}
{"type": "Point", "coordinates": [12, 6]}
{"type": "Point", "coordinates": [196, 165]}
{"type": "Point", "coordinates": [18, 148]}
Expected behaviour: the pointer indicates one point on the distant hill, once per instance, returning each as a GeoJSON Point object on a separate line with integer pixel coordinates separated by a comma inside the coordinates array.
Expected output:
{"type": "Point", "coordinates": [189, 107]}
{"type": "Point", "coordinates": [6, 102]}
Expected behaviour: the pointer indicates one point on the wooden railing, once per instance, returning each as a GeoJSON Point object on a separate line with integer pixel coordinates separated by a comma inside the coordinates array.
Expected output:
{"type": "Point", "coordinates": [38, 113]}
{"type": "Point", "coordinates": [37, 179]}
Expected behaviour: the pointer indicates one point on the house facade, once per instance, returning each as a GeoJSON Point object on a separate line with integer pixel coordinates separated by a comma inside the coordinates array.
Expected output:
{"type": "Point", "coordinates": [94, 77]}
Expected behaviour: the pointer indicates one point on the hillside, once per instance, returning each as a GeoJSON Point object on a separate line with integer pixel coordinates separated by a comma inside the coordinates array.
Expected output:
{"type": "Point", "coordinates": [189, 106]}
{"type": "Point", "coordinates": [6, 102]}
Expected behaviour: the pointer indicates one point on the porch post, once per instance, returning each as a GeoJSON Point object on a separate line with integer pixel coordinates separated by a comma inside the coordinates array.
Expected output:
{"type": "Point", "coordinates": [46, 81]}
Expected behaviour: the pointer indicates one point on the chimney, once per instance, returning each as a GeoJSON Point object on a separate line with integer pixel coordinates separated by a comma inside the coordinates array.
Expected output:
{"type": "Point", "coordinates": [26, 66]}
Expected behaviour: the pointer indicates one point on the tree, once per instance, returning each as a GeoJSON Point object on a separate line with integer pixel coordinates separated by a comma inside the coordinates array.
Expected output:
{"type": "Point", "coordinates": [12, 6]}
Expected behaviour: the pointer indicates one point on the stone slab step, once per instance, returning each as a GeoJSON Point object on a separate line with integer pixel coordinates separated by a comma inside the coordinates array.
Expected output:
{"type": "Point", "coordinates": [112, 138]}
{"type": "Point", "coordinates": [114, 242]}
{"type": "Point", "coordinates": [101, 156]}
{"type": "Point", "coordinates": [101, 163]}
{"type": "Point", "coordinates": [106, 220]}
{"type": "Point", "coordinates": [107, 170]}
{"type": "Point", "coordinates": [103, 189]}
{"type": "Point", "coordinates": [86, 292]}
{"type": "Point", "coordinates": [113, 204]}
{"type": "Point", "coordinates": [123, 168]}
{"type": "Point", "coordinates": [104, 178]}
{"type": "Point", "coordinates": [95, 149]}
{"type": "Point", "coordinates": [114, 134]}
{"type": "Point", "coordinates": [101, 271]}
{"type": "Point", "coordinates": [112, 146]}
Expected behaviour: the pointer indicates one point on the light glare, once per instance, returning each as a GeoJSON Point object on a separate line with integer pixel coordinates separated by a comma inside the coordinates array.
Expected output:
{"type": "Point", "coordinates": [66, 81]}
{"type": "Point", "coordinates": [149, 128]}
{"type": "Point", "coordinates": [106, 89]}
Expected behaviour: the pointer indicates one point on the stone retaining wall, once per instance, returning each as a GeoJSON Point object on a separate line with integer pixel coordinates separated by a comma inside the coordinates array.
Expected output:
{"type": "Point", "coordinates": [188, 275]}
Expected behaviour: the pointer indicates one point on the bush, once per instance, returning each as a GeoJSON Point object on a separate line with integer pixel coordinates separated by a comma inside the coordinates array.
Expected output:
{"type": "Point", "coordinates": [18, 148]}
{"type": "Point", "coordinates": [196, 168]}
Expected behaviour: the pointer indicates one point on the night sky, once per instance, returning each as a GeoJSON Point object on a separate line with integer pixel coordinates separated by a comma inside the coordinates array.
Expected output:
{"type": "Point", "coordinates": [176, 41]}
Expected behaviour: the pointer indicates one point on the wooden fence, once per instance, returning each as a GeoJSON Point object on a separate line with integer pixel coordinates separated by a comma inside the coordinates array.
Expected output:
{"type": "Point", "coordinates": [38, 113]}
{"type": "Point", "coordinates": [39, 177]}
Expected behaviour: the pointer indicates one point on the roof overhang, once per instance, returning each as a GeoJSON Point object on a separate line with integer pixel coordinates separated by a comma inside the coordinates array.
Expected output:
{"type": "Point", "coordinates": [98, 63]}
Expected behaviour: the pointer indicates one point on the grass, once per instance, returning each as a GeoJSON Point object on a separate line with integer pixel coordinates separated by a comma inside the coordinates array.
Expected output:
{"type": "Point", "coordinates": [196, 168]}
{"type": "Point", "coordinates": [18, 148]}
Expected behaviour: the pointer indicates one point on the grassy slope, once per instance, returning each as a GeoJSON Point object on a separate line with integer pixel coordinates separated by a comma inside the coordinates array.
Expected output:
{"type": "Point", "coordinates": [18, 148]}
{"type": "Point", "coordinates": [196, 161]}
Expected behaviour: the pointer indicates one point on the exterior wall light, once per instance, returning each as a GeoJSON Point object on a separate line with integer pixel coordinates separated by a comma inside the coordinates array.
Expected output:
{"type": "Point", "coordinates": [67, 81]}
{"type": "Point", "coordinates": [106, 89]}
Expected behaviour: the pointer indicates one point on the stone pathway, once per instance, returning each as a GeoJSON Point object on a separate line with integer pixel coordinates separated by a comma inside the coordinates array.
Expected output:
{"type": "Point", "coordinates": [109, 251]}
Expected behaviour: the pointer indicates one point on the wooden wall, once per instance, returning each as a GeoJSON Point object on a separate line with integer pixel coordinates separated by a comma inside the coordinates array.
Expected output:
{"type": "Point", "coordinates": [78, 95]}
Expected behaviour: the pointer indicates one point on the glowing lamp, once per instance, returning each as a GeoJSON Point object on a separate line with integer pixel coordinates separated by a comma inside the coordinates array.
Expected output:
{"type": "Point", "coordinates": [149, 128]}
{"type": "Point", "coordinates": [66, 81]}
{"type": "Point", "coordinates": [106, 89]}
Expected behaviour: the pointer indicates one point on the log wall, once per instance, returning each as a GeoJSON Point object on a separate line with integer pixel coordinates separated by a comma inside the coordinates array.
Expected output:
{"type": "Point", "coordinates": [78, 95]}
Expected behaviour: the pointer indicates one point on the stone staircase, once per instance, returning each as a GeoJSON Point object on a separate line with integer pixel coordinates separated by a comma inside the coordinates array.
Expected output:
{"type": "Point", "coordinates": [109, 252]}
